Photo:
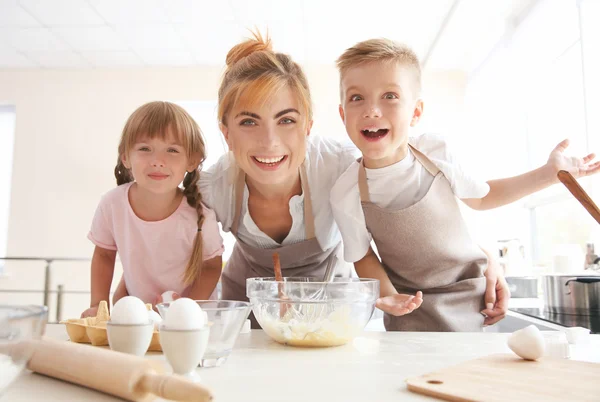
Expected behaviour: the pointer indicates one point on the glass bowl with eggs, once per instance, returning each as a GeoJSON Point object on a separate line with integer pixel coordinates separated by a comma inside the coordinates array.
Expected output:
{"type": "Point", "coordinates": [19, 325]}
{"type": "Point", "coordinates": [225, 319]}
{"type": "Point", "coordinates": [308, 312]}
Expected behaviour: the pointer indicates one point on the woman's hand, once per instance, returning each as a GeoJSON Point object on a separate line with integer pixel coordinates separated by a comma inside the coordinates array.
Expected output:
{"type": "Point", "coordinates": [400, 304]}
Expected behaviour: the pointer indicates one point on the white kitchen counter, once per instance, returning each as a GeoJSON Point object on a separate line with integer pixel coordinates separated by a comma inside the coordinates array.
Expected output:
{"type": "Point", "coordinates": [372, 368]}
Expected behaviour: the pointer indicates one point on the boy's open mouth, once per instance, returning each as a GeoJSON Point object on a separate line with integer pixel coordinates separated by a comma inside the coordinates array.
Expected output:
{"type": "Point", "coordinates": [372, 134]}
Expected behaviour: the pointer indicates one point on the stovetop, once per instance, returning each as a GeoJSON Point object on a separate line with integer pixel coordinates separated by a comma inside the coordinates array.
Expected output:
{"type": "Point", "coordinates": [592, 322]}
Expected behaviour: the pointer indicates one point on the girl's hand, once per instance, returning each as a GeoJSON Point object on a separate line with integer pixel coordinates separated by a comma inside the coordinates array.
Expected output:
{"type": "Point", "coordinates": [168, 296]}
{"type": "Point", "coordinates": [578, 167]}
{"type": "Point", "coordinates": [90, 312]}
{"type": "Point", "coordinates": [400, 304]}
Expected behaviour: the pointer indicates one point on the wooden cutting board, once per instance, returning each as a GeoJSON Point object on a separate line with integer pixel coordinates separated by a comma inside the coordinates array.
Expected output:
{"type": "Point", "coordinates": [507, 377]}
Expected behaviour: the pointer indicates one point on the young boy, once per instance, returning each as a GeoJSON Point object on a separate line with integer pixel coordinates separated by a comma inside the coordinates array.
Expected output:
{"type": "Point", "coordinates": [403, 195]}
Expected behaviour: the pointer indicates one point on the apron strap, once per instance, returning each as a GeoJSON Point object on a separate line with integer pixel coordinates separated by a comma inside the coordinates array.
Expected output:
{"type": "Point", "coordinates": [240, 184]}
{"type": "Point", "coordinates": [309, 220]}
{"type": "Point", "coordinates": [363, 186]}
{"type": "Point", "coordinates": [425, 161]}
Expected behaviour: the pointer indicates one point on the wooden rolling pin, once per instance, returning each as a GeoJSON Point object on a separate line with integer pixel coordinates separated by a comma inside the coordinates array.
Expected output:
{"type": "Point", "coordinates": [579, 193]}
{"type": "Point", "coordinates": [129, 377]}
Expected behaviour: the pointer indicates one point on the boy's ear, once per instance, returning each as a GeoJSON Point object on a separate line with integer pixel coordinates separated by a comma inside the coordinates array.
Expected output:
{"type": "Point", "coordinates": [341, 110]}
{"type": "Point", "coordinates": [417, 113]}
{"type": "Point", "coordinates": [125, 162]}
{"type": "Point", "coordinates": [225, 132]}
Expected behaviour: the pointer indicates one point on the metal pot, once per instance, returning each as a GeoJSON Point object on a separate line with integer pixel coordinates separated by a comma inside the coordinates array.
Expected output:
{"type": "Point", "coordinates": [522, 286]}
{"type": "Point", "coordinates": [572, 294]}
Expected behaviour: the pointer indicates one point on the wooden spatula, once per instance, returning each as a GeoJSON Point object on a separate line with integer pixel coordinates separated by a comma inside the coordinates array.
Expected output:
{"type": "Point", "coordinates": [578, 192]}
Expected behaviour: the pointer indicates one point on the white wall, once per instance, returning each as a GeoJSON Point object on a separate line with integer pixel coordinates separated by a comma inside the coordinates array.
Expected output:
{"type": "Point", "coordinates": [67, 130]}
{"type": "Point", "coordinates": [7, 136]}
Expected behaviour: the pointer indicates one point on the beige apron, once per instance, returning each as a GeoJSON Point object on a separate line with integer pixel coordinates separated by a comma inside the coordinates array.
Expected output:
{"type": "Point", "coordinates": [427, 247]}
{"type": "Point", "coordinates": [303, 259]}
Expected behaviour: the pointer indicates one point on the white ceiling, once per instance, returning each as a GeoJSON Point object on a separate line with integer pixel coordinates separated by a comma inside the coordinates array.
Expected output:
{"type": "Point", "coordinates": [135, 33]}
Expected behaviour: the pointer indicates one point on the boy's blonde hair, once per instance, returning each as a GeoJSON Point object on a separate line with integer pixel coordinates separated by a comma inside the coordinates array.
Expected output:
{"type": "Point", "coordinates": [255, 72]}
{"type": "Point", "coordinates": [158, 120]}
{"type": "Point", "coordinates": [377, 51]}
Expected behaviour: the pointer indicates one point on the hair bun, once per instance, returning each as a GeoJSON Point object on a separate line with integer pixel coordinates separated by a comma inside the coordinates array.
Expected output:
{"type": "Point", "coordinates": [246, 48]}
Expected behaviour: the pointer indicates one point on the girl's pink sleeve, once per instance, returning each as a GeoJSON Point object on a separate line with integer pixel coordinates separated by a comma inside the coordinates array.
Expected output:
{"type": "Point", "coordinates": [212, 242]}
{"type": "Point", "coordinates": [101, 232]}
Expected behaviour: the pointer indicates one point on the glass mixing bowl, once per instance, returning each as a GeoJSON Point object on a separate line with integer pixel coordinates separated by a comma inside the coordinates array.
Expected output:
{"type": "Point", "coordinates": [309, 312]}
{"type": "Point", "coordinates": [226, 319]}
{"type": "Point", "coordinates": [18, 326]}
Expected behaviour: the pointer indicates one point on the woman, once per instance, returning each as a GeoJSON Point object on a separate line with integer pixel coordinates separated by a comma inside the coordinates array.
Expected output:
{"type": "Point", "coordinates": [272, 190]}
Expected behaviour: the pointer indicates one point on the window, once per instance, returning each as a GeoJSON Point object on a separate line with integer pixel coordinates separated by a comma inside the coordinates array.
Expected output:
{"type": "Point", "coordinates": [7, 135]}
{"type": "Point", "coordinates": [534, 90]}
{"type": "Point", "coordinates": [562, 222]}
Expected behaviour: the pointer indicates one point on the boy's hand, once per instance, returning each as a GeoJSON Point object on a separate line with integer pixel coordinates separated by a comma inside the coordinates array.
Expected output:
{"type": "Point", "coordinates": [400, 304]}
{"type": "Point", "coordinates": [90, 312]}
{"type": "Point", "coordinates": [497, 293]}
{"type": "Point", "coordinates": [578, 167]}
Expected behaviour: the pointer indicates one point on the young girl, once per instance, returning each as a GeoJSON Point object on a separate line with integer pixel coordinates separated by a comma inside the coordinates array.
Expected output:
{"type": "Point", "coordinates": [165, 237]}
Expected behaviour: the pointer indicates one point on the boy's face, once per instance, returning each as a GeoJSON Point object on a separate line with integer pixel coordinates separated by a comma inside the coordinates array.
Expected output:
{"type": "Point", "coordinates": [378, 107]}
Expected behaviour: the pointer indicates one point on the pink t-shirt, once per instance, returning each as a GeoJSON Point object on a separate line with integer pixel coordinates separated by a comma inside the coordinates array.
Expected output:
{"type": "Point", "coordinates": [154, 255]}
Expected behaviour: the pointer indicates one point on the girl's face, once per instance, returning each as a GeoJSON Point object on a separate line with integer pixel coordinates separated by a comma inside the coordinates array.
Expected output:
{"type": "Point", "coordinates": [269, 141]}
{"type": "Point", "coordinates": [158, 165]}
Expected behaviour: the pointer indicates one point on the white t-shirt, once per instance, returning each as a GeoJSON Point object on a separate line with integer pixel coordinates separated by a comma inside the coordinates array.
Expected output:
{"type": "Point", "coordinates": [326, 160]}
{"type": "Point", "coordinates": [396, 187]}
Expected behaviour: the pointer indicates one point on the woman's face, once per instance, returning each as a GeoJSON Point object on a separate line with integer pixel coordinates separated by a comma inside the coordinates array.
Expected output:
{"type": "Point", "coordinates": [269, 141]}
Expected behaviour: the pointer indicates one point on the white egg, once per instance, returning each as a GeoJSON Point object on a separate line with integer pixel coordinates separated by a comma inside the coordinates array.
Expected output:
{"type": "Point", "coordinates": [184, 314]}
{"type": "Point", "coordinates": [129, 310]}
{"type": "Point", "coordinates": [155, 318]}
{"type": "Point", "coordinates": [528, 343]}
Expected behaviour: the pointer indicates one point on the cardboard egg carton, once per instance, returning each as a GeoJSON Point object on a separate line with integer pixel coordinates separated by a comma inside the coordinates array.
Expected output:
{"type": "Point", "coordinates": [93, 329]}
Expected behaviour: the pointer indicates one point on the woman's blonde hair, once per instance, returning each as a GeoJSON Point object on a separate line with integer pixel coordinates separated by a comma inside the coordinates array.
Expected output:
{"type": "Point", "coordinates": [255, 72]}
{"type": "Point", "coordinates": [158, 120]}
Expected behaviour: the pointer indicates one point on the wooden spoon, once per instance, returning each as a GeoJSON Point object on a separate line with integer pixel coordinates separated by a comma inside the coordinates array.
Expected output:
{"type": "Point", "coordinates": [579, 193]}
{"type": "Point", "coordinates": [279, 278]}
{"type": "Point", "coordinates": [277, 268]}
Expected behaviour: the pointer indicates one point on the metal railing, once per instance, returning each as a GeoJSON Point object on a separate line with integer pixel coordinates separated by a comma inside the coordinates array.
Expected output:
{"type": "Point", "coordinates": [60, 290]}
{"type": "Point", "coordinates": [47, 280]}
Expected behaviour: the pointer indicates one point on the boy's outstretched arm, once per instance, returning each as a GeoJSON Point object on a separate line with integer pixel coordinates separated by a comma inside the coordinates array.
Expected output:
{"type": "Point", "coordinates": [390, 301]}
{"type": "Point", "coordinates": [506, 191]}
